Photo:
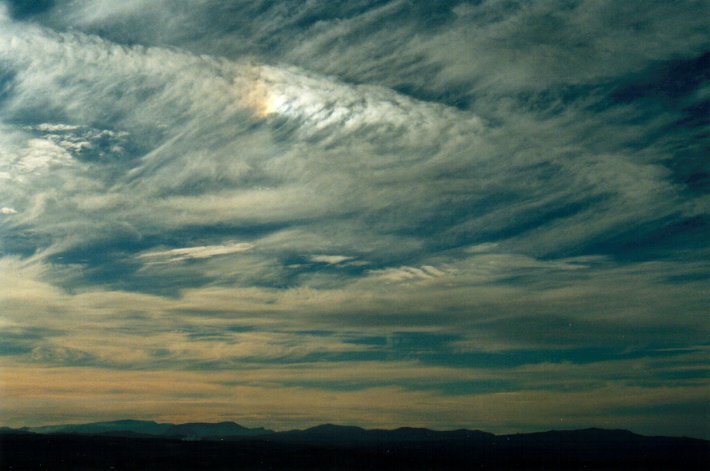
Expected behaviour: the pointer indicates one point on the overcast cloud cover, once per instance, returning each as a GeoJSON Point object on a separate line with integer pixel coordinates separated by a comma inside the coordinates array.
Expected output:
{"type": "Point", "coordinates": [491, 214]}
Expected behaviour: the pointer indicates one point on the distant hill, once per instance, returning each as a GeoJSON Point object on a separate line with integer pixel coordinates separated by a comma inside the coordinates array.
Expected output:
{"type": "Point", "coordinates": [217, 430]}
{"type": "Point", "coordinates": [339, 434]}
{"type": "Point", "coordinates": [149, 428]}
{"type": "Point", "coordinates": [228, 446]}
{"type": "Point", "coordinates": [136, 426]}
{"type": "Point", "coordinates": [13, 431]}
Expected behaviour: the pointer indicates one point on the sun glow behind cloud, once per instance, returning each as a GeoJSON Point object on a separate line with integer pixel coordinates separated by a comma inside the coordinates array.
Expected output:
{"type": "Point", "coordinates": [257, 95]}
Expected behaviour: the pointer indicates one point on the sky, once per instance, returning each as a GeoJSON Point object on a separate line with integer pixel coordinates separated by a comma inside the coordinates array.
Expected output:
{"type": "Point", "coordinates": [488, 214]}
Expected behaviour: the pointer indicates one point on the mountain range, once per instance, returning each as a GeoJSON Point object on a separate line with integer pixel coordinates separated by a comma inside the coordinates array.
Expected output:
{"type": "Point", "coordinates": [196, 430]}
{"type": "Point", "coordinates": [136, 444]}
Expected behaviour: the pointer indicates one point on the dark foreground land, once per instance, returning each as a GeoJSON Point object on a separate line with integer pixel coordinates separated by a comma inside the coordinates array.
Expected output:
{"type": "Point", "coordinates": [331, 449]}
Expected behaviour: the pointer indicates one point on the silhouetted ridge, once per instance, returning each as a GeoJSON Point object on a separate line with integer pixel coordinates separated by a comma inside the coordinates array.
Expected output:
{"type": "Point", "coordinates": [9, 430]}
{"type": "Point", "coordinates": [331, 429]}
{"type": "Point", "coordinates": [420, 448]}
{"type": "Point", "coordinates": [352, 448]}
{"type": "Point", "coordinates": [342, 435]}
{"type": "Point", "coordinates": [137, 426]}
{"type": "Point", "coordinates": [150, 428]}
{"type": "Point", "coordinates": [204, 430]}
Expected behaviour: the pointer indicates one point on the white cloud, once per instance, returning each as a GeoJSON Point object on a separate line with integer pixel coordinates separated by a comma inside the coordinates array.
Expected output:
{"type": "Point", "coordinates": [482, 248]}
{"type": "Point", "coordinates": [200, 252]}
{"type": "Point", "coordinates": [56, 127]}
{"type": "Point", "coordinates": [330, 259]}
{"type": "Point", "coordinates": [501, 46]}
{"type": "Point", "coordinates": [42, 154]}
{"type": "Point", "coordinates": [326, 148]}
{"type": "Point", "coordinates": [324, 104]}
{"type": "Point", "coordinates": [425, 272]}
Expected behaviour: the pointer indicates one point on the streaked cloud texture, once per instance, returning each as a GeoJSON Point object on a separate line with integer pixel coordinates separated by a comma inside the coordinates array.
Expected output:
{"type": "Point", "coordinates": [489, 214]}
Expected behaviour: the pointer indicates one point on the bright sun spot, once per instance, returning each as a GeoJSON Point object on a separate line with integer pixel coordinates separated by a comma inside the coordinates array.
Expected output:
{"type": "Point", "coordinates": [260, 100]}
{"type": "Point", "coordinates": [255, 92]}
